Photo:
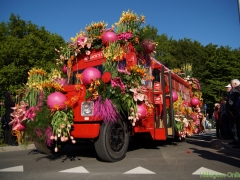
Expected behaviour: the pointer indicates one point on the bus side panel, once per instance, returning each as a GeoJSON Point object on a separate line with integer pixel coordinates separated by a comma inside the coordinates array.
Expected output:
{"type": "Point", "coordinates": [160, 134]}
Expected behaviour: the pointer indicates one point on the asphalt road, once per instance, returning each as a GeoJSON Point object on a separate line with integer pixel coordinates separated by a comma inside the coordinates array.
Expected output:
{"type": "Point", "coordinates": [144, 160]}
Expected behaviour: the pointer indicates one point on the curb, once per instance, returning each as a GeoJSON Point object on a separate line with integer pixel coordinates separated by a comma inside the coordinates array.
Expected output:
{"type": "Point", "coordinates": [17, 148]}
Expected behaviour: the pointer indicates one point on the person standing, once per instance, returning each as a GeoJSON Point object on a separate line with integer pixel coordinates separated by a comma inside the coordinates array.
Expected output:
{"type": "Point", "coordinates": [226, 117]}
{"type": "Point", "coordinates": [207, 122]}
{"type": "Point", "coordinates": [216, 115]}
{"type": "Point", "coordinates": [234, 94]}
{"type": "Point", "coordinates": [9, 103]}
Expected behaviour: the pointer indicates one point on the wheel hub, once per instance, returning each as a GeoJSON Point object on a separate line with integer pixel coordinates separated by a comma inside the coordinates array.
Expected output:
{"type": "Point", "coordinates": [116, 137]}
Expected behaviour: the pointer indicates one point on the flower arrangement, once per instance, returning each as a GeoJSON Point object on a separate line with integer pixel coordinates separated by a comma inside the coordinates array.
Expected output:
{"type": "Point", "coordinates": [94, 30]}
{"type": "Point", "coordinates": [129, 22]}
{"type": "Point", "coordinates": [120, 96]}
{"type": "Point", "coordinates": [187, 119]}
{"type": "Point", "coordinates": [128, 28]}
{"type": "Point", "coordinates": [113, 52]}
{"type": "Point", "coordinates": [44, 125]}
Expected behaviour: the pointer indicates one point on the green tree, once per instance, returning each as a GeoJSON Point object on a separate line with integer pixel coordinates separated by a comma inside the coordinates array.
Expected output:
{"type": "Point", "coordinates": [24, 45]}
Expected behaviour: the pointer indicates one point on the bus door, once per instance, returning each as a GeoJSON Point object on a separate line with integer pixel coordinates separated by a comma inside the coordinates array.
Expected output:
{"type": "Point", "coordinates": [162, 86]}
{"type": "Point", "coordinates": [168, 103]}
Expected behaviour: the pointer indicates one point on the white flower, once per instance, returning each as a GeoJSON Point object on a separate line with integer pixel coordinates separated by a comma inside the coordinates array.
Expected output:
{"type": "Point", "coordinates": [177, 119]}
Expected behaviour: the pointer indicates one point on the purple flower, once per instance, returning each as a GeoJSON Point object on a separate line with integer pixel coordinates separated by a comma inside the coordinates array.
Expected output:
{"type": "Point", "coordinates": [117, 82]}
{"type": "Point", "coordinates": [124, 71]}
{"type": "Point", "coordinates": [106, 110]}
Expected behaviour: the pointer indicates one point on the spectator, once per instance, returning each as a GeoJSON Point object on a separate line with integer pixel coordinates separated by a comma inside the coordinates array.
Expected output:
{"type": "Point", "coordinates": [9, 103]}
{"type": "Point", "coordinates": [216, 115]}
{"type": "Point", "coordinates": [213, 121]}
{"type": "Point", "coordinates": [4, 126]}
{"type": "Point", "coordinates": [225, 117]}
{"type": "Point", "coordinates": [207, 123]}
{"type": "Point", "coordinates": [234, 94]}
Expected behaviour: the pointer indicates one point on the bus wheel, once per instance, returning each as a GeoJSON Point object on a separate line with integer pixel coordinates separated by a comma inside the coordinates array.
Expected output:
{"type": "Point", "coordinates": [113, 140]}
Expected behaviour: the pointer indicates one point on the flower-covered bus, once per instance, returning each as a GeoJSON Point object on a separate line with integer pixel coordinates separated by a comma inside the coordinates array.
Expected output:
{"type": "Point", "coordinates": [114, 88]}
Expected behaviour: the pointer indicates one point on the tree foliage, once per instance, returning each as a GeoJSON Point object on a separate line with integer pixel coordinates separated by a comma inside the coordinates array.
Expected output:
{"type": "Point", "coordinates": [24, 45]}
{"type": "Point", "coordinates": [214, 66]}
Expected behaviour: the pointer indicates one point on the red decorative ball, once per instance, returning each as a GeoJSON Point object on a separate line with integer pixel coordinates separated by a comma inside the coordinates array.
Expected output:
{"type": "Point", "coordinates": [90, 74]}
{"type": "Point", "coordinates": [106, 77]}
{"type": "Point", "coordinates": [148, 46]}
{"type": "Point", "coordinates": [56, 100]}
{"type": "Point", "coordinates": [142, 110]}
{"type": "Point", "coordinates": [194, 101]}
{"type": "Point", "coordinates": [109, 36]}
{"type": "Point", "coordinates": [174, 96]}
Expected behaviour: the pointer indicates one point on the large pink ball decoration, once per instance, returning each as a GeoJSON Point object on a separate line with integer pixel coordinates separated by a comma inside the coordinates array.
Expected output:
{"type": "Point", "coordinates": [194, 101]}
{"type": "Point", "coordinates": [109, 37]}
{"type": "Point", "coordinates": [142, 111]}
{"type": "Point", "coordinates": [56, 100]}
{"type": "Point", "coordinates": [148, 46]}
{"type": "Point", "coordinates": [90, 74]}
{"type": "Point", "coordinates": [174, 96]}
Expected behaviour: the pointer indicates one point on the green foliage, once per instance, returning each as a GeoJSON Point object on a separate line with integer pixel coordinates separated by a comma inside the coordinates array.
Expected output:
{"type": "Point", "coordinates": [61, 122]}
{"type": "Point", "coordinates": [24, 45]}
{"type": "Point", "coordinates": [178, 126]}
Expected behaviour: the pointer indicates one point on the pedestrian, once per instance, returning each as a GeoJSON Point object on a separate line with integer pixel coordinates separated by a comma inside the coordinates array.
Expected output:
{"type": "Point", "coordinates": [9, 103]}
{"type": "Point", "coordinates": [213, 121]}
{"type": "Point", "coordinates": [234, 94]}
{"type": "Point", "coordinates": [203, 121]}
{"type": "Point", "coordinates": [207, 123]}
{"type": "Point", "coordinates": [3, 127]}
{"type": "Point", "coordinates": [225, 116]}
{"type": "Point", "coordinates": [216, 115]}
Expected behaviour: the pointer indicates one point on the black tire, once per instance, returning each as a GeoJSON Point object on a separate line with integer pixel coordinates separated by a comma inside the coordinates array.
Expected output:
{"type": "Point", "coordinates": [113, 141]}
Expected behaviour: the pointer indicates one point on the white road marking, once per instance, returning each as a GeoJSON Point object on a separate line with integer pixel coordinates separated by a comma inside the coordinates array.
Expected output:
{"type": "Point", "coordinates": [12, 169]}
{"type": "Point", "coordinates": [205, 171]}
{"type": "Point", "coordinates": [139, 170]}
{"type": "Point", "coordinates": [79, 169]}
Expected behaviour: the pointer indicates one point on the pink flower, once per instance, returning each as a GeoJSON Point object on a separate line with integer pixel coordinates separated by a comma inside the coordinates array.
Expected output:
{"type": "Point", "coordinates": [196, 130]}
{"type": "Point", "coordinates": [81, 41]}
{"type": "Point", "coordinates": [137, 95]}
{"type": "Point", "coordinates": [89, 45]}
{"type": "Point", "coordinates": [124, 71]}
{"type": "Point", "coordinates": [88, 53]}
{"type": "Point", "coordinates": [73, 141]}
{"type": "Point", "coordinates": [56, 149]}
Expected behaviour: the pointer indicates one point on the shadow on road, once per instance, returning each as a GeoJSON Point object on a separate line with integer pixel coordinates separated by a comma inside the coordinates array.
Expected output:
{"type": "Point", "coordinates": [69, 152]}
{"type": "Point", "coordinates": [147, 143]}
{"type": "Point", "coordinates": [221, 154]}
{"type": "Point", "coordinates": [217, 157]}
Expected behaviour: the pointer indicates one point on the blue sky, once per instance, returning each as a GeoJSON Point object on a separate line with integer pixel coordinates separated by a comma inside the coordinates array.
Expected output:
{"type": "Point", "coordinates": [207, 21]}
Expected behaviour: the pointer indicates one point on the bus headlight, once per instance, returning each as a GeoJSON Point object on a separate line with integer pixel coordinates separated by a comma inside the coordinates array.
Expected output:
{"type": "Point", "coordinates": [87, 108]}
